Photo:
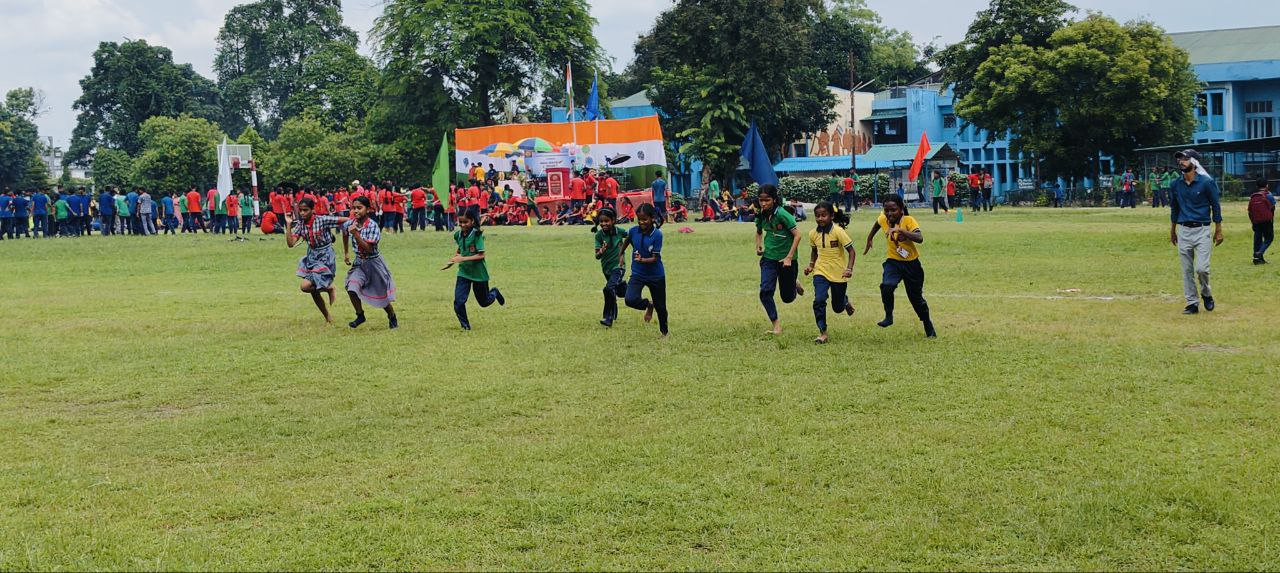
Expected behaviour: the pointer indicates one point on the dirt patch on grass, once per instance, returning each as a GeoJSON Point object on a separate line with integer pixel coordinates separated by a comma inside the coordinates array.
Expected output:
{"type": "Point", "coordinates": [1201, 347]}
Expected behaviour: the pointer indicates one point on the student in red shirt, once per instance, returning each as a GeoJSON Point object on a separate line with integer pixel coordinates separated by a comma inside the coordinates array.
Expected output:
{"type": "Point", "coordinates": [279, 206]}
{"type": "Point", "coordinates": [402, 209]}
{"type": "Point", "coordinates": [340, 200]}
{"type": "Point", "coordinates": [417, 209]}
{"type": "Point", "coordinates": [194, 212]}
{"type": "Point", "coordinates": [577, 191]}
{"type": "Point", "coordinates": [451, 208]}
{"type": "Point", "coordinates": [483, 199]}
{"type": "Point", "coordinates": [322, 203]}
{"type": "Point", "coordinates": [473, 197]}
{"type": "Point", "coordinates": [233, 212]}
{"type": "Point", "coordinates": [593, 184]}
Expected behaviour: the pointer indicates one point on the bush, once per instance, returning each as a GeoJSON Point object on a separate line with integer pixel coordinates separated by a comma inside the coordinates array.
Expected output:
{"type": "Point", "coordinates": [815, 189]}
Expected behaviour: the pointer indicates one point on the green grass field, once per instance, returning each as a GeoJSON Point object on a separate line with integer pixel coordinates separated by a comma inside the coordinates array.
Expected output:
{"type": "Point", "coordinates": [176, 403]}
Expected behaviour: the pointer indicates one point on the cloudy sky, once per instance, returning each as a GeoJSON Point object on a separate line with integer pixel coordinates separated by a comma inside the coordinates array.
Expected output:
{"type": "Point", "coordinates": [49, 43]}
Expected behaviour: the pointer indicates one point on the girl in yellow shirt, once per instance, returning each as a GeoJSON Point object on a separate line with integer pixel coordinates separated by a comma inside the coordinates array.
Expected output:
{"type": "Point", "coordinates": [831, 258]}
{"type": "Point", "coordinates": [902, 234]}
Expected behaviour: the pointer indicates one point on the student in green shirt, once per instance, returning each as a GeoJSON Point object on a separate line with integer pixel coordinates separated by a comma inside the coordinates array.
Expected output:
{"type": "Point", "coordinates": [939, 194]}
{"type": "Point", "coordinates": [122, 213]}
{"type": "Point", "coordinates": [833, 189]}
{"type": "Point", "coordinates": [61, 210]}
{"type": "Point", "coordinates": [473, 273]}
{"type": "Point", "coordinates": [246, 213]}
{"type": "Point", "coordinates": [220, 225]}
{"type": "Point", "coordinates": [776, 240]}
{"type": "Point", "coordinates": [609, 241]}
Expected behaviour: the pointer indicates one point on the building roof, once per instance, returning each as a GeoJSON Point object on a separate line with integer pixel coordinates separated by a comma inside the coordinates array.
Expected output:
{"type": "Point", "coordinates": [825, 164]}
{"type": "Point", "coordinates": [899, 152]}
{"type": "Point", "coordinates": [637, 99]}
{"type": "Point", "coordinates": [1256, 145]}
{"type": "Point", "coordinates": [1227, 46]}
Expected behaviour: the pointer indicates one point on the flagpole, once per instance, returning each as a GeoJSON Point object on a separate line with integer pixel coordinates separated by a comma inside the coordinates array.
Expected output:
{"type": "Point", "coordinates": [568, 88]}
{"type": "Point", "coordinates": [596, 83]}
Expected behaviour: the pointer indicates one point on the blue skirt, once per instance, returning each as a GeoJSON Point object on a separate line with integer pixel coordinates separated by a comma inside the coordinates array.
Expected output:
{"type": "Point", "coordinates": [319, 267]}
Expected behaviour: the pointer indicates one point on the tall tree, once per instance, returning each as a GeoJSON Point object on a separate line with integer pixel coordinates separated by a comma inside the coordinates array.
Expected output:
{"type": "Point", "coordinates": [261, 53]}
{"type": "Point", "coordinates": [177, 153]}
{"type": "Point", "coordinates": [338, 85]}
{"type": "Point", "coordinates": [112, 167]}
{"type": "Point", "coordinates": [487, 52]}
{"type": "Point", "coordinates": [1004, 22]}
{"type": "Point", "coordinates": [893, 57]}
{"type": "Point", "coordinates": [130, 83]}
{"type": "Point", "coordinates": [1098, 87]}
{"type": "Point", "coordinates": [19, 137]}
{"type": "Point", "coordinates": [308, 153]}
{"type": "Point", "coordinates": [764, 49]}
{"type": "Point", "coordinates": [411, 111]}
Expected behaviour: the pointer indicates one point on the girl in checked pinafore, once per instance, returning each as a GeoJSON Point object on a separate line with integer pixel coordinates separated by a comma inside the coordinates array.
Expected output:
{"type": "Point", "coordinates": [368, 280]}
{"type": "Point", "coordinates": [318, 267]}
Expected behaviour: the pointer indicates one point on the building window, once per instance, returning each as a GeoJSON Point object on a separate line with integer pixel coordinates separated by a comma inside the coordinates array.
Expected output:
{"type": "Point", "coordinates": [1256, 127]}
{"type": "Point", "coordinates": [1263, 106]}
{"type": "Point", "coordinates": [949, 121]}
{"type": "Point", "coordinates": [1210, 111]}
{"type": "Point", "coordinates": [800, 150]}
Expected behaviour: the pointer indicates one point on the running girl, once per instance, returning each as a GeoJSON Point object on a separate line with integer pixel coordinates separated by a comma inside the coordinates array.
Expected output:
{"type": "Point", "coordinates": [317, 267]}
{"type": "Point", "coordinates": [831, 259]}
{"type": "Point", "coordinates": [368, 279]}
{"type": "Point", "coordinates": [609, 252]}
{"type": "Point", "coordinates": [646, 266]}
{"type": "Point", "coordinates": [473, 272]}
{"type": "Point", "coordinates": [776, 229]}
{"type": "Point", "coordinates": [902, 234]}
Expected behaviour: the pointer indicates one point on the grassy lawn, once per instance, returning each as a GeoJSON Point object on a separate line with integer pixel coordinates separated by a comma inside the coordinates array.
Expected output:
{"type": "Point", "coordinates": [176, 403]}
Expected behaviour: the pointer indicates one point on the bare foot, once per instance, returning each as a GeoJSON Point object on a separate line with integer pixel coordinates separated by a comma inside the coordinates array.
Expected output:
{"type": "Point", "coordinates": [822, 339]}
{"type": "Point", "coordinates": [648, 314]}
{"type": "Point", "coordinates": [774, 331]}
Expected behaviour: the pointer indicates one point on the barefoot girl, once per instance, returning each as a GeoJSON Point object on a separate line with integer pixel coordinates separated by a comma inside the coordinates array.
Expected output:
{"type": "Point", "coordinates": [473, 272]}
{"type": "Point", "coordinates": [776, 229]}
{"type": "Point", "coordinates": [831, 260]}
{"type": "Point", "coordinates": [902, 233]}
{"type": "Point", "coordinates": [368, 280]}
{"type": "Point", "coordinates": [609, 241]}
{"type": "Point", "coordinates": [317, 267]}
{"type": "Point", "coordinates": [646, 266]}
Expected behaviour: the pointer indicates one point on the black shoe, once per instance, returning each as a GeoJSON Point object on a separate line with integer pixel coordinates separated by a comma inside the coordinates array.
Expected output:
{"type": "Point", "coordinates": [1191, 309]}
{"type": "Point", "coordinates": [393, 323]}
{"type": "Point", "coordinates": [357, 322]}
{"type": "Point", "coordinates": [1208, 303]}
{"type": "Point", "coordinates": [497, 295]}
{"type": "Point", "coordinates": [929, 332]}
{"type": "Point", "coordinates": [886, 323]}
{"type": "Point", "coordinates": [1259, 261]}
{"type": "Point", "coordinates": [606, 323]}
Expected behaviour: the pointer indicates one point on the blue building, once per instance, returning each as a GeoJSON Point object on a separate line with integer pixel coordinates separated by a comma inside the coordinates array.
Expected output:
{"type": "Point", "coordinates": [684, 175]}
{"type": "Point", "coordinates": [1241, 72]}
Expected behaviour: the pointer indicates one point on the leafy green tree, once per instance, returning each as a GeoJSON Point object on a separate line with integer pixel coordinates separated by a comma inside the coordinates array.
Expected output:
{"type": "Point", "coordinates": [130, 83]}
{"type": "Point", "coordinates": [411, 111]}
{"type": "Point", "coordinates": [1004, 22]}
{"type": "Point", "coordinates": [19, 139]}
{"type": "Point", "coordinates": [765, 51]}
{"type": "Point", "coordinates": [711, 123]}
{"type": "Point", "coordinates": [262, 50]}
{"type": "Point", "coordinates": [891, 56]}
{"type": "Point", "coordinates": [487, 52]}
{"type": "Point", "coordinates": [337, 85]}
{"type": "Point", "coordinates": [1098, 87]}
{"type": "Point", "coordinates": [309, 153]}
{"type": "Point", "coordinates": [241, 178]}
{"type": "Point", "coordinates": [112, 167]}
{"type": "Point", "coordinates": [177, 153]}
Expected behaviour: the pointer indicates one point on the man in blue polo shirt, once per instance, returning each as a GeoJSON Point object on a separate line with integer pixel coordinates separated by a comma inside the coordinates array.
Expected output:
{"type": "Point", "coordinates": [40, 214]}
{"type": "Point", "coordinates": [21, 209]}
{"type": "Point", "coordinates": [6, 213]}
{"type": "Point", "coordinates": [107, 211]}
{"type": "Point", "coordinates": [1193, 204]}
{"type": "Point", "coordinates": [79, 205]}
{"type": "Point", "coordinates": [134, 222]}
{"type": "Point", "coordinates": [659, 189]}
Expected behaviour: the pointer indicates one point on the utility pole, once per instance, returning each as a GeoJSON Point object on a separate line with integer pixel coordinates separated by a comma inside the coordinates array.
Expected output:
{"type": "Point", "coordinates": [853, 121]}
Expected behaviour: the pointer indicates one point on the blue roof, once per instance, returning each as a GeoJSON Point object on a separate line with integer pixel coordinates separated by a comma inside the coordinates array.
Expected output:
{"type": "Point", "coordinates": [826, 164]}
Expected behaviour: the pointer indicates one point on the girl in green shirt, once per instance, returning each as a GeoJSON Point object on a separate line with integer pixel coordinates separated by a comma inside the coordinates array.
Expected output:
{"type": "Point", "coordinates": [776, 241]}
{"type": "Point", "coordinates": [609, 241]}
{"type": "Point", "coordinates": [473, 273]}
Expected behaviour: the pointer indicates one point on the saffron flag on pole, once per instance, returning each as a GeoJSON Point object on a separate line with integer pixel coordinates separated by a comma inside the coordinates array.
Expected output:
{"type": "Point", "coordinates": [440, 174]}
{"type": "Point", "coordinates": [921, 153]}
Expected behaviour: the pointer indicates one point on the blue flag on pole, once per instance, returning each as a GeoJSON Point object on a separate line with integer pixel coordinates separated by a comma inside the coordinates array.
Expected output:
{"type": "Point", "coordinates": [758, 157]}
{"type": "Point", "coordinates": [593, 104]}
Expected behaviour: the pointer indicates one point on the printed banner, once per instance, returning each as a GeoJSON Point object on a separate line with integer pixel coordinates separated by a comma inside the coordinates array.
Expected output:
{"type": "Point", "coordinates": [621, 144]}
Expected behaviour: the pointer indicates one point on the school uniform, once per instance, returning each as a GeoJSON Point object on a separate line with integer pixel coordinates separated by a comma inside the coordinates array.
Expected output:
{"type": "Point", "coordinates": [20, 205]}
{"type": "Point", "coordinates": [319, 265]}
{"type": "Point", "coordinates": [195, 216]}
{"type": "Point", "coordinates": [6, 216]}
{"type": "Point", "coordinates": [146, 214]}
{"type": "Point", "coordinates": [902, 265]}
{"type": "Point", "coordinates": [106, 213]}
{"type": "Point", "coordinates": [612, 269]}
{"type": "Point", "coordinates": [652, 275]}
{"type": "Point", "coordinates": [369, 277]}
{"type": "Point", "coordinates": [832, 244]}
{"type": "Point", "coordinates": [776, 229]}
{"type": "Point", "coordinates": [40, 214]}
{"type": "Point", "coordinates": [472, 276]}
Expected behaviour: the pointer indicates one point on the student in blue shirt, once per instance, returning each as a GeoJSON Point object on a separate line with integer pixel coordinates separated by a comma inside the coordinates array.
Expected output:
{"type": "Point", "coordinates": [135, 221]}
{"type": "Point", "coordinates": [79, 205]}
{"type": "Point", "coordinates": [6, 213]}
{"type": "Point", "coordinates": [166, 211]}
{"type": "Point", "coordinates": [20, 204]}
{"type": "Point", "coordinates": [659, 189]}
{"type": "Point", "coordinates": [40, 214]}
{"type": "Point", "coordinates": [646, 266]}
{"type": "Point", "coordinates": [107, 211]}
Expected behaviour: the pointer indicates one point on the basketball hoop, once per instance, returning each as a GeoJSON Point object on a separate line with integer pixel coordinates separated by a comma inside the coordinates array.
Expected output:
{"type": "Point", "coordinates": [235, 161]}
